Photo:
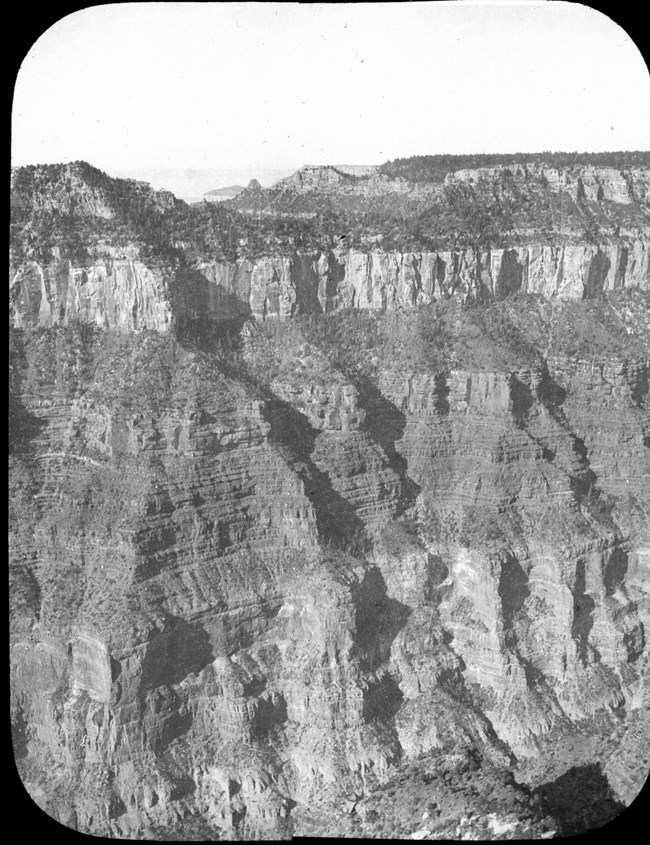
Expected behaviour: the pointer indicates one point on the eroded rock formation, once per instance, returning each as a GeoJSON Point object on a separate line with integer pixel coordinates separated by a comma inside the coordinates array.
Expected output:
{"type": "Point", "coordinates": [117, 282]}
{"type": "Point", "coordinates": [260, 568]}
{"type": "Point", "coordinates": [128, 295]}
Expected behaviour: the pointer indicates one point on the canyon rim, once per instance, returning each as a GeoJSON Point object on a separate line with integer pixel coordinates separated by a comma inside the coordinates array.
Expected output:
{"type": "Point", "coordinates": [329, 498]}
{"type": "Point", "coordinates": [298, 527]}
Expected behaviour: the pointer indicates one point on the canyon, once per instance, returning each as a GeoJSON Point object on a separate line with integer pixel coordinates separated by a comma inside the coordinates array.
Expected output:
{"type": "Point", "coordinates": [124, 293]}
{"type": "Point", "coordinates": [317, 538]}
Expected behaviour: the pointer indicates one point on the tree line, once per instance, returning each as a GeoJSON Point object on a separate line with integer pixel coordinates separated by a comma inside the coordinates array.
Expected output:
{"type": "Point", "coordinates": [434, 168]}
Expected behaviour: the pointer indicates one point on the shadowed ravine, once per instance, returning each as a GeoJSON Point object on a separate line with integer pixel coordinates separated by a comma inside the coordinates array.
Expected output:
{"type": "Point", "coordinates": [315, 535]}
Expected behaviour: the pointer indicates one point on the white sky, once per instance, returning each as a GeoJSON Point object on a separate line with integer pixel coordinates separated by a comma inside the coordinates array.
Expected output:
{"type": "Point", "coordinates": [246, 86]}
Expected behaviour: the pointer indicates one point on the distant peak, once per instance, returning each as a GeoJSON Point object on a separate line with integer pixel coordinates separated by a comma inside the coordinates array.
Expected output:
{"type": "Point", "coordinates": [77, 188]}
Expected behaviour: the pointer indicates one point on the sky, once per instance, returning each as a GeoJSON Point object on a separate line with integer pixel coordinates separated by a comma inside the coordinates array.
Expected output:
{"type": "Point", "coordinates": [243, 89]}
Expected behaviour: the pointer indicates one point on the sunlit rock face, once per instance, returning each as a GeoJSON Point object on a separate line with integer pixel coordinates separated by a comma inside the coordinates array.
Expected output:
{"type": "Point", "coordinates": [128, 295]}
{"type": "Point", "coordinates": [244, 604]}
{"type": "Point", "coordinates": [283, 530]}
{"type": "Point", "coordinates": [590, 183]}
{"type": "Point", "coordinates": [123, 294]}
{"type": "Point", "coordinates": [118, 263]}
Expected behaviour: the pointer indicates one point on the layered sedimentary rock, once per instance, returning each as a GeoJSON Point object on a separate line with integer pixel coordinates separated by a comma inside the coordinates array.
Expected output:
{"type": "Point", "coordinates": [260, 567]}
{"type": "Point", "coordinates": [126, 294]}
{"type": "Point", "coordinates": [525, 458]}
{"type": "Point", "coordinates": [117, 254]}
{"type": "Point", "coordinates": [590, 183]}
{"type": "Point", "coordinates": [244, 594]}
{"type": "Point", "coordinates": [593, 184]}
{"type": "Point", "coordinates": [123, 293]}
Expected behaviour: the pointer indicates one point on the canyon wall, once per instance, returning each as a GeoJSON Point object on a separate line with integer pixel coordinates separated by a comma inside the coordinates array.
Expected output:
{"type": "Point", "coordinates": [243, 595]}
{"type": "Point", "coordinates": [261, 567]}
{"type": "Point", "coordinates": [116, 254]}
{"type": "Point", "coordinates": [122, 293]}
{"type": "Point", "coordinates": [125, 293]}
{"type": "Point", "coordinates": [593, 184]}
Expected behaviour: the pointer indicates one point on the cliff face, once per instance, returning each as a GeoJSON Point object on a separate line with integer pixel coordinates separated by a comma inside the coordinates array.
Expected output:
{"type": "Point", "coordinates": [593, 184]}
{"type": "Point", "coordinates": [122, 293]}
{"type": "Point", "coordinates": [265, 572]}
{"type": "Point", "coordinates": [128, 295]}
{"type": "Point", "coordinates": [247, 587]}
{"type": "Point", "coordinates": [131, 269]}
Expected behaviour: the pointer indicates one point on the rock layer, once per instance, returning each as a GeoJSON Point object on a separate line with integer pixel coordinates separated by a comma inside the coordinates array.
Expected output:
{"type": "Point", "coordinates": [126, 294]}
{"type": "Point", "coordinates": [261, 565]}
{"type": "Point", "coordinates": [239, 597]}
{"type": "Point", "coordinates": [117, 254]}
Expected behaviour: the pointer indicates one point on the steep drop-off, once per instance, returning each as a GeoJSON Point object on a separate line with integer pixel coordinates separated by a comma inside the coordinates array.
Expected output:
{"type": "Point", "coordinates": [114, 253]}
{"type": "Point", "coordinates": [249, 583]}
{"type": "Point", "coordinates": [273, 577]}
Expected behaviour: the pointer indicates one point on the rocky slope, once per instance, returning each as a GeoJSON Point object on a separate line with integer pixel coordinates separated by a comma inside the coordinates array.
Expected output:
{"type": "Point", "coordinates": [113, 253]}
{"type": "Point", "coordinates": [278, 577]}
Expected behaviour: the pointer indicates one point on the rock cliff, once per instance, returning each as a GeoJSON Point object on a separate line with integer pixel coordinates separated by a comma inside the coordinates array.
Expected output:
{"type": "Point", "coordinates": [593, 184]}
{"type": "Point", "coordinates": [126, 294]}
{"type": "Point", "coordinates": [266, 574]}
{"type": "Point", "coordinates": [128, 274]}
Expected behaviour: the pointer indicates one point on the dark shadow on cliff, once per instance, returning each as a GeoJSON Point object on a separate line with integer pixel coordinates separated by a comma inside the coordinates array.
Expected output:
{"type": "Point", "coordinates": [335, 277]}
{"type": "Point", "coordinates": [513, 589]}
{"type": "Point", "coordinates": [268, 713]}
{"type": "Point", "coordinates": [580, 800]}
{"type": "Point", "coordinates": [201, 298]}
{"type": "Point", "coordinates": [378, 619]}
{"type": "Point", "coordinates": [293, 437]}
{"type": "Point", "coordinates": [596, 276]}
{"type": "Point", "coordinates": [221, 338]}
{"type": "Point", "coordinates": [291, 434]}
{"type": "Point", "coordinates": [382, 699]}
{"type": "Point", "coordinates": [19, 733]}
{"type": "Point", "coordinates": [510, 275]}
{"type": "Point", "coordinates": [385, 423]}
{"type": "Point", "coordinates": [639, 390]}
{"type": "Point", "coordinates": [443, 390]}
{"type": "Point", "coordinates": [175, 725]}
{"type": "Point", "coordinates": [583, 612]}
{"type": "Point", "coordinates": [615, 571]}
{"type": "Point", "coordinates": [551, 394]}
{"type": "Point", "coordinates": [584, 481]}
{"type": "Point", "coordinates": [183, 785]}
{"type": "Point", "coordinates": [522, 399]}
{"type": "Point", "coordinates": [23, 425]}
{"type": "Point", "coordinates": [307, 301]}
{"type": "Point", "coordinates": [182, 648]}
{"type": "Point", "coordinates": [582, 484]}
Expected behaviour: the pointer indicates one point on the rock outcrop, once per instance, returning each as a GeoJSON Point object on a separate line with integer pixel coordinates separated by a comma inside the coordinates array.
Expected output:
{"type": "Point", "coordinates": [263, 570]}
{"type": "Point", "coordinates": [126, 294]}
{"type": "Point", "coordinates": [155, 279]}
{"type": "Point", "coordinates": [593, 184]}
{"type": "Point", "coordinates": [239, 597]}
{"type": "Point", "coordinates": [121, 293]}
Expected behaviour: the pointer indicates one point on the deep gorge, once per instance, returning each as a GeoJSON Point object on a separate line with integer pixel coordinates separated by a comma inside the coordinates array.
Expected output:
{"type": "Point", "coordinates": [294, 534]}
